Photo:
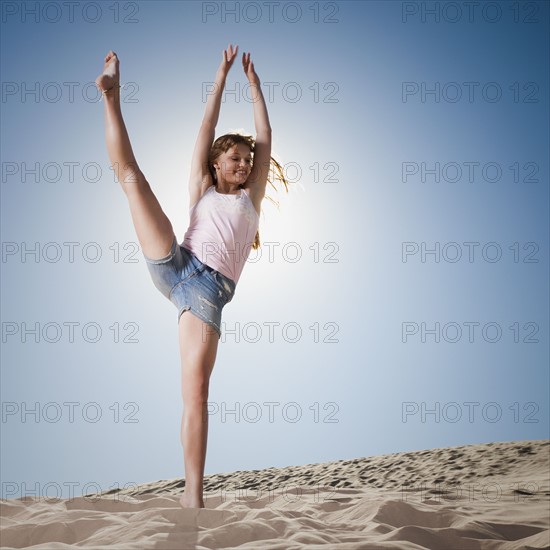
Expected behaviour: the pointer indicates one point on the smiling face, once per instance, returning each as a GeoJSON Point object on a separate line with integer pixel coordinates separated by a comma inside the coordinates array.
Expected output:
{"type": "Point", "coordinates": [234, 166]}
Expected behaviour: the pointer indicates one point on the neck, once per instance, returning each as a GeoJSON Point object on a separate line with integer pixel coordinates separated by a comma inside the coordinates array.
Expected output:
{"type": "Point", "coordinates": [227, 188]}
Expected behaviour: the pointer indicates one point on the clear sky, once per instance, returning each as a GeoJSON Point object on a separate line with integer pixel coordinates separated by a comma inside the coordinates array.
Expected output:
{"type": "Point", "coordinates": [400, 300]}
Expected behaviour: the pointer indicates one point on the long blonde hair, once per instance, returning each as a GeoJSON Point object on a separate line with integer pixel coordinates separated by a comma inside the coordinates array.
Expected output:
{"type": "Point", "coordinates": [276, 173]}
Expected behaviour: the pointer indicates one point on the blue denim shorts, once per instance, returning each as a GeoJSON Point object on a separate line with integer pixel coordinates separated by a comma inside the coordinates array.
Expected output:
{"type": "Point", "coordinates": [192, 285]}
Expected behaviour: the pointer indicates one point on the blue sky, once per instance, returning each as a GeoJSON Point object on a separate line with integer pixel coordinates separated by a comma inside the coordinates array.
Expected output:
{"type": "Point", "coordinates": [404, 132]}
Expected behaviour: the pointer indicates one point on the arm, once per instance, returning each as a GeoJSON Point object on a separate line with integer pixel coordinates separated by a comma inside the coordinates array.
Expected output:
{"type": "Point", "coordinates": [200, 178]}
{"type": "Point", "coordinates": [262, 155]}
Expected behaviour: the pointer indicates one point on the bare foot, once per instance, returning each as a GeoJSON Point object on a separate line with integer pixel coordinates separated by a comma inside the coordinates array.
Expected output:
{"type": "Point", "coordinates": [187, 502]}
{"type": "Point", "coordinates": [110, 75]}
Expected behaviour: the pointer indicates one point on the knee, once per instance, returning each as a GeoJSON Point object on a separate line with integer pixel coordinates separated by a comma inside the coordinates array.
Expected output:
{"type": "Point", "coordinates": [195, 394]}
{"type": "Point", "coordinates": [133, 181]}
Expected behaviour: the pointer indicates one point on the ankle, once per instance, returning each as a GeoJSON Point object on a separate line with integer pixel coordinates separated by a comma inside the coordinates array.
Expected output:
{"type": "Point", "coordinates": [193, 489]}
{"type": "Point", "coordinates": [187, 502]}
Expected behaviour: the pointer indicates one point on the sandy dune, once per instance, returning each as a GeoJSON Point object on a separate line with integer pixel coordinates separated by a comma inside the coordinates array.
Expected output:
{"type": "Point", "coordinates": [487, 497]}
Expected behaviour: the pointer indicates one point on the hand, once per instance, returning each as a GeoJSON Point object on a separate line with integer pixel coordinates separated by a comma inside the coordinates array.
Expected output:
{"type": "Point", "coordinates": [229, 56]}
{"type": "Point", "coordinates": [249, 71]}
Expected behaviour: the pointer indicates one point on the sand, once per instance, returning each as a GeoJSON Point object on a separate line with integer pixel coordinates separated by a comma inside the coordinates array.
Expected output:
{"type": "Point", "coordinates": [487, 496]}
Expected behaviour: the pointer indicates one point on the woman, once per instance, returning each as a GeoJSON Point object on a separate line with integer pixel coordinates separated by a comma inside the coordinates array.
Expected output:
{"type": "Point", "coordinates": [226, 189]}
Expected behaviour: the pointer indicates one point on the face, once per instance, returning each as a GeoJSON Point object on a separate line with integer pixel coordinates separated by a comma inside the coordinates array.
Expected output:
{"type": "Point", "coordinates": [234, 166]}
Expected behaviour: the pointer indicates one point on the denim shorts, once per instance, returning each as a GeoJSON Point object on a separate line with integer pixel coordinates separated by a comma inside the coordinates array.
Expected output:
{"type": "Point", "coordinates": [192, 285]}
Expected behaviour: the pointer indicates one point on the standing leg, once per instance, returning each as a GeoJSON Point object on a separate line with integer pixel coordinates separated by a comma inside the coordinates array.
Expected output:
{"type": "Point", "coordinates": [198, 349]}
{"type": "Point", "coordinates": [153, 228]}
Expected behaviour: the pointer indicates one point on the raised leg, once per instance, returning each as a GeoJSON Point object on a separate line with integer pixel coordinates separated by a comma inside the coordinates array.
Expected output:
{"type": "Point", "coordinates": [198, 349]}
{"type": "Point", "coordinates": [153, 228]}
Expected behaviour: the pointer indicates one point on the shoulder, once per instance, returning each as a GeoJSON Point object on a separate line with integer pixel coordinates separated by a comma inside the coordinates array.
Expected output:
{"type": "Point", "coordinates": [204, 191]}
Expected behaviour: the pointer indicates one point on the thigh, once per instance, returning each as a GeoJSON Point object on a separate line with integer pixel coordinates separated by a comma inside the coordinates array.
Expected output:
{"type": "Point", "coordinates": [153, 228]}
{"type": "Point", "coordinates": [203, 294]}
{"type": "Point", "coordinates": [198, 349]}
{"type": "Point", "coordinates": [173, 270]}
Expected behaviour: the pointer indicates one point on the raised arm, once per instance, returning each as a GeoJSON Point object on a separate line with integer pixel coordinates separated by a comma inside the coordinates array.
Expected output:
{"type": "Point", "coordinates": [200, 178]}
{"type": "Point", "coordinates": [257, 179]}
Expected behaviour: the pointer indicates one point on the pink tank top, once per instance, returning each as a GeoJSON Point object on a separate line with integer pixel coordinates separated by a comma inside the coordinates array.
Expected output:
{"type": "Point", "coordinates": [222, 230]}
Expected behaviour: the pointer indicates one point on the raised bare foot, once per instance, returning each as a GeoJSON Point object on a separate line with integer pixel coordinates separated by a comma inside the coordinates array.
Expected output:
{"type": "Point", "coordinates": [110, 75]}
{"type": "Point", "coordinates": [187, 502]}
